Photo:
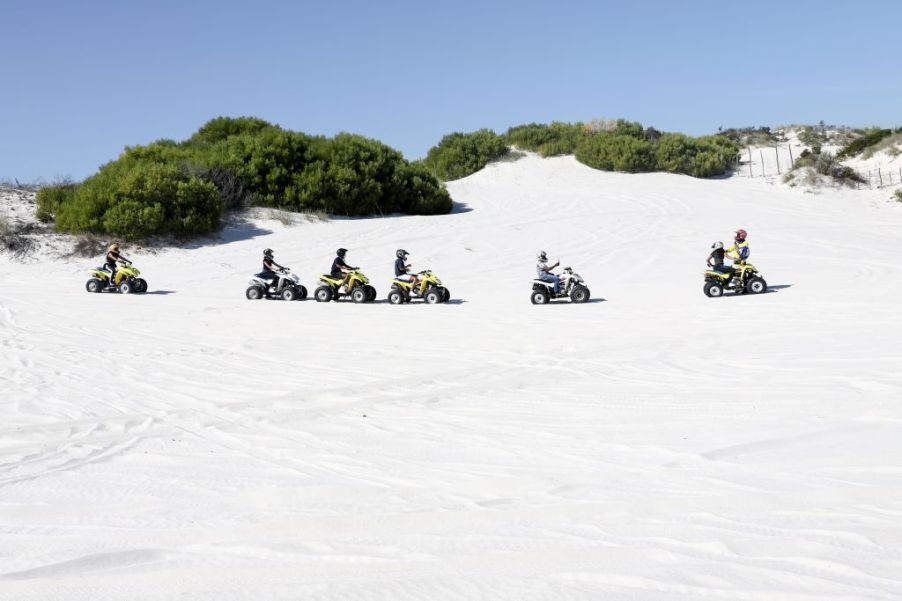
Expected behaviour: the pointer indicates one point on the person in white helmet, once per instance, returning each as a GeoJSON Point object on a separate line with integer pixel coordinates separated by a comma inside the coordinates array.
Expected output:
{"type": "Point", "coordinates": [716, 258]}
{"type": "Point", "coordinates": [543, 272]}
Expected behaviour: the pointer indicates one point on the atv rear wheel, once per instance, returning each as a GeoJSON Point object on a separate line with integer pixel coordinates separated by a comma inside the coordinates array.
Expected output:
{"type": "Point", "coordinates": [713, 289]}
{"type": "Point", "coordinates": [323, 294]}
{"type": "Point", "coordinates": [433, 296]}
{"type": "Point", "coordinates": [254, 293]}
{"type": "Point", "coordinates": [94, 285]}
{"type": "Point", "coordinates": [396, 297]}
{"type": "Point", "coordinates": [540, 297]}
{"type": "Point", "coordinates": [756, 285]}
{"type": "Point", "coordinates": [579, 294]}
{"type": "Point", "coordinates": [302, 292]}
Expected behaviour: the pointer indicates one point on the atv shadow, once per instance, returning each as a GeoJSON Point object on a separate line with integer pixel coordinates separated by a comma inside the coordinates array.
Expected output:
{"type": "Point", "coordinates": [770, 290]}
{"type": "Point", "coordinates": [160, 292]}
{"type": "Point", "coordinates": [596, 300]}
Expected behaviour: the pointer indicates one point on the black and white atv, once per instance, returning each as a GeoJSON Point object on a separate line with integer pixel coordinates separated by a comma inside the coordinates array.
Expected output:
{"type": "Point", "coordinates": [285, 285]}
{"type": "Point", "coordinates": [573, 286]}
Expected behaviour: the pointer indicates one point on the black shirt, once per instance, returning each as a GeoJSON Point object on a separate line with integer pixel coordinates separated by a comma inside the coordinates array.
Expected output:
{"type": "Point", "coordinates": [400, 268]}
{"type": "Point", "coordinates": [337, 265]}
{"type": "Point", "coordinates": [267, 265]}
{"type": "Point", "coordinates": [718, 255]}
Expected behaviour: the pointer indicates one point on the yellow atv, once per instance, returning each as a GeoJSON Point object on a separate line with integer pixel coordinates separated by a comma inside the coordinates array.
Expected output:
{"type": "Point", "coordinates": [743, 277]}
{"type": "Point", "coordinates": [359, 288]}
{"type": "Point", "coordinates": [429, 288]}
{"type": "Point", "coordinates": [125, 282]}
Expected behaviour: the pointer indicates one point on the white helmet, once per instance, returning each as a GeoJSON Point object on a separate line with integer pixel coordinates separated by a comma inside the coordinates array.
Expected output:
{"type": "Point", "coordinates": [717, 245]}
{"type": "Point", "coordinates": [541, 256]}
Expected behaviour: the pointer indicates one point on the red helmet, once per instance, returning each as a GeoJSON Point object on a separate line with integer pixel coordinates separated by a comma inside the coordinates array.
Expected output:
{"type": "Point", "coordinates": [741, 234]}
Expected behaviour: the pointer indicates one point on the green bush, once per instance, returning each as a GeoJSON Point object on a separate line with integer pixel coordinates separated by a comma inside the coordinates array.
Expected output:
{"type": "Point", "coordinates": [459, 155]}
{"type": "Point", "coordinates": [50, 198]}
{"type": "Point", "coordinates": [898, 195]}
{"type": "Point", "coordinates": [869, 138]}
{"type": "Point", "coordinates": [182, 188]}
{"type": "Point", "coordinates": [616, 152]}
{"type": "Point", "coordinates": [548, 140]}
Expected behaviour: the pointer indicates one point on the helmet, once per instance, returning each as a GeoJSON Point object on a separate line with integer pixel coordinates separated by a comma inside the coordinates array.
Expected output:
{"type": "Point", "coordinates": [541, 256]}
{"type": "Point", "coordinates": [341, 252]}
{"type": "Point", "coordinates": [113, 248]}
{"type": "Point", "coordinates": [741, 234]}
{"type": "Point", "coordinates": [717, 245]}
{"type": "Point", "coordinates": [267, 252]}
{"type": "Point", "coordinates": [401, 253]}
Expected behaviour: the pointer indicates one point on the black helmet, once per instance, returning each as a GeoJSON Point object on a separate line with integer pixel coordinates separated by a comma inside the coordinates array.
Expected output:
{"type": "Point", "coordinates": [401, 253]}
{"type": "Point", "coordinates": [341, 252]}
{"type": "Point", "coordinates": [267, 252]}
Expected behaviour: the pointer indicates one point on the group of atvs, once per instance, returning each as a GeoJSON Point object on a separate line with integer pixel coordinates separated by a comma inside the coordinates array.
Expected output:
{"type": "Point", "coordinates": [741, 277]}
{"type": "Point", "coordinates": [287, 286]}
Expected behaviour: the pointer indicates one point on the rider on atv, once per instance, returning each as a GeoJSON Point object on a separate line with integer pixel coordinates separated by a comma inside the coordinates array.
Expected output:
{"type": "Point", "coordinates": [543, 272]}
{"type": "Point", "coordinates": [269, 268]}
{"type": "Point", "coordinates": [716, 258]}
{"type": "Point", "coordinates": [402, 270]}
{"type": "Point", "coordinates": [340, 269]}
{"type": "Point", "coordinates": [113, 258]}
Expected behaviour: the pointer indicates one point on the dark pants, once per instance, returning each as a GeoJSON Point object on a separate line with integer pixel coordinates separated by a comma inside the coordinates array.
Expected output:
{"type": "Point", "coordinates": [269, 276]}
{"type": "Point", "coordinates": [722, 268]}
{"type": "Point", "coordinates": [111, 267]}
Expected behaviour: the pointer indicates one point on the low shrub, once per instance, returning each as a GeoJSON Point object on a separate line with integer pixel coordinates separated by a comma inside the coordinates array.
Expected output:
{"type": "Point", "coordinates": [616, 152]}
{"type": "Point", "coordinates": [869, 138]}
{"type": "Point", "coordinates": [548, 140]}
{"type": "Point", "coordinates": [898, 195]}
{"type": "Point", "coordinates": [459, 155]}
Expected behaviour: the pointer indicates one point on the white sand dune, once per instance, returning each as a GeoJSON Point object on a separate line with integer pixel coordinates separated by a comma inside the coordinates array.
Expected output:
{"type": "Point", "coordinates": [651, 445]}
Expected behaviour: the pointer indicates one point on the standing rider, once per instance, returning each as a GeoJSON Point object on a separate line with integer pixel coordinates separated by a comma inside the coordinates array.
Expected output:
{"type": "Point", "coordinates": [402, 270]}
{"type": "Point", "coordinates": [543, 271]}
{"type": "Point", "coordinates": [112, 259]}
{"type": "Point", "coordinates": [740, 250]}
{"type": "Point", "coordinates": [269, 269]}
{"type": "Point", "coordinates": [340, 269]}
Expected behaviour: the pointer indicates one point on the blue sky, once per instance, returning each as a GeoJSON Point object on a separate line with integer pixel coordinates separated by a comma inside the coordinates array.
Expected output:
{"type": "Point", "coordinates": [79, 80]}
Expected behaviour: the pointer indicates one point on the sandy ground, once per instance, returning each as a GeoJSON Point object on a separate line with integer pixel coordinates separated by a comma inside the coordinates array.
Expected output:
{"type": "Point", "coordinates": [653, 444]}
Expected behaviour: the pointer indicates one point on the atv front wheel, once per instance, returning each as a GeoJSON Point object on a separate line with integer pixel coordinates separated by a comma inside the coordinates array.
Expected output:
{"type": "Point", "coordinates": [396, 297]}
{"type": "Point", "coordinates": [579, 294]}
{"type": "Point", "coordinates": [713, 289]}
{"type": "Point", "coordinates": [94, 285]}
{"type": "Point", "coordinates": [447, 296]}
{"type": "Point", "coordinates": [433, 296]}
{"type": "Point", "coordinates": [360, 295]}
{"type": "Point", "coordinates": [126, 287]}
{"type": "Point", "coordinates": [539, 297]}
{"type": "Point", "coordinates": [290, 293]}
{"type": "Point", "coordinates": [756, 285]}
{"type": "Point", "coordinates": [323, 294]}
{"type": "Point", "coordinates": [370, 293]}
{"type": "Point", "coordinates": [140, 285]}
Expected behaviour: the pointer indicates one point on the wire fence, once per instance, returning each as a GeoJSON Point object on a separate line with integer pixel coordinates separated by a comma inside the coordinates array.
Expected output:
{"type": "Point", "coordinates": [777, 160]}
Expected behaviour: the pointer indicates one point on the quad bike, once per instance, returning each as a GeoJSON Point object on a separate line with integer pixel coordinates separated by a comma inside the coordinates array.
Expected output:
{"type": "Point", "coordinates": [429, 288]}
{"type": "Point", "coordinates": [359, 288]}
{"type": "Point", "coordinates": [572, 286]}
{"type": "Point", "coordinates": [285, 285]}
{"type": "Point", "coordinates": [126, 280]}
{"type": "Point", "coordinates": [744, 277]}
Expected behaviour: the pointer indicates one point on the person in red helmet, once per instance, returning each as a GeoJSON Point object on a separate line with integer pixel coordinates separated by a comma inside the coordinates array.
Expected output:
{"type": "Point", "coordinates": [740, 251]}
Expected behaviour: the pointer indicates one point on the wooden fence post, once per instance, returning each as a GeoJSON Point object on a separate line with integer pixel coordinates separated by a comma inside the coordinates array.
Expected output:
{"type": "Point", "coordinates": [763, 171]}
{"type": "Point", "coordinates": [792, 161]}
{"type": "Point", "coordinates": [777, 153]}
{"type": "Point", "coordinates": [750, 162]}
{"type": "Point", "coordinates": [880, 175]}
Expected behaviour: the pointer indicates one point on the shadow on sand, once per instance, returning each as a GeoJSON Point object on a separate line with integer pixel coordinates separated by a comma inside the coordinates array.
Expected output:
{"type": "Point", "coordinates": [160, 292]}
{"type": "Point", "coordinates": [459, 207]}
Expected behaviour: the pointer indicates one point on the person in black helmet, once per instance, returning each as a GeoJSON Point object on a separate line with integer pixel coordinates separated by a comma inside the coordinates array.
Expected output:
{"type": "Point", "coordinates": [269, 268]}
{"type": "Point", "coordinates": [402, 269]}
{"type": "Point", "coordinates": [340, 269]}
